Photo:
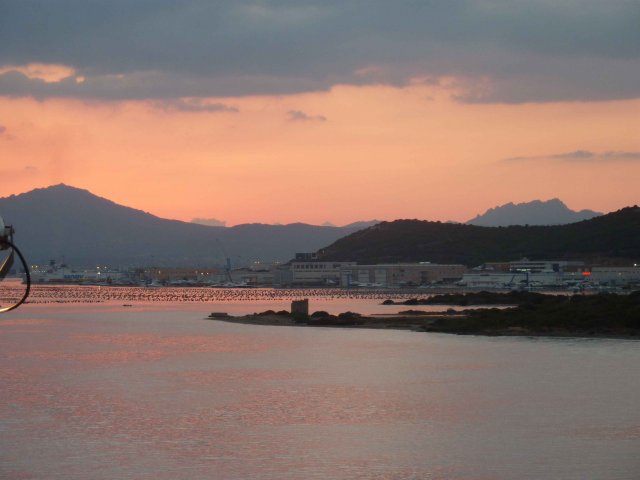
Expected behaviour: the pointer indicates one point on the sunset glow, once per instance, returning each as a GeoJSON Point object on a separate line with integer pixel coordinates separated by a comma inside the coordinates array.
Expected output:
{"type": "Point", "coordinates": [319, 239]}
{"type": "Point", "coordinates": [360, 147]}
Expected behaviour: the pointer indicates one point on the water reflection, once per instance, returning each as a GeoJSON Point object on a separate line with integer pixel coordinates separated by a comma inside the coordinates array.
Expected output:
{"type": "Point", "coordinates": [158, 392]}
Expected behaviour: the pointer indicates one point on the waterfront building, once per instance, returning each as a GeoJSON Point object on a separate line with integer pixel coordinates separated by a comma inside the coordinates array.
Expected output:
{"type": "Point", "coordinates": [310, 273]}
{"type": "Point", "coordinates": [400, 274]}
{"type": "Point", "coordinates": [181, 275]}
{"type": "Point", "coordinates": [64, 274]}
{"type": "Point", "coordinates": [525, 273]}
{"type": "Point", "coordinates": [538, 266]}
{"type": "Point", "coordinates": [616, 276]}
{"type": "Point", "coordinates": [252, 276]}
{"type": "Point", "coordinates": [546, 273]}
{"type": "Point", "coordinates": [512, 279]}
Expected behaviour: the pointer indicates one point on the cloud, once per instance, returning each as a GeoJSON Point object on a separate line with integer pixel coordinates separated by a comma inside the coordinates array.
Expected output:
{"type": "Point", "coordinates": [300, 116]}
{"type": "Point", "coordinates": [48, 73]}
{"type": "Point", "coordinates": [194, 105]}
{"type": "Point", "coordinates": [523, 51]}
{"type": "Point", "coordinates": [211, 222]}
{"type": "Point", "coordinates": [5, 134]}
{"type": "Point", "coordinates": [580, 156]}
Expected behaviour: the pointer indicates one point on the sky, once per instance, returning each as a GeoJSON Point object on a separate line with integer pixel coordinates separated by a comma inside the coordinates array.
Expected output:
{"type": "Point", "coordinates": [285, 111]}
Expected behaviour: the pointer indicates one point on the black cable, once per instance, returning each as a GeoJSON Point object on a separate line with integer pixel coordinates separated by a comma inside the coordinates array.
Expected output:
{"type": "Point", "coordinates": [27, 277]}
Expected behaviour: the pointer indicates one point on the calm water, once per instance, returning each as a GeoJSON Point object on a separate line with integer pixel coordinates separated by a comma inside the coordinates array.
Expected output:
{"type": "Point", "coordinates": [154, 391]}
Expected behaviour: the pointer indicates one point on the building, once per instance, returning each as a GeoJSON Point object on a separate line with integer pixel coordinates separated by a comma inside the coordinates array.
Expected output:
{"type": "Point", "coordinates": [310, 273]}
{"type": "Point", "coordinates": [179, 276]}
{"type": "Point", "coordinates": [253, 276]}
{"type": "Point", "coordinates": [616, 276]}
{"type": "Point", "coordinates": [485, 279]}
{"type": "Point", "coordinates": [538, 266]}
{"type": "Point", "coordinates": [400, 275]}
{"type": "Point", "coordinates": [526, 273]}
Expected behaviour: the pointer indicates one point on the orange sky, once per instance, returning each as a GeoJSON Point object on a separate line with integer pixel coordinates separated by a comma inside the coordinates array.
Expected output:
{"type": "Point", "coordinates": [364, 152]}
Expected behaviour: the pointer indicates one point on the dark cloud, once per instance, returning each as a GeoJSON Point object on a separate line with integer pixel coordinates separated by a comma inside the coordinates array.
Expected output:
{"type": "Point", "coordinates": [3, 130]}
{"type": "Point", "coordinates": [149, 85]}
{"type": "Point", "coordinates": [194, 105]}
{"type": "Point", "coordinates": [299, 116]}
{"type": "Point", "coordinates": [524, 51]}
{"type": "Point", "coordinates": [580, 156]}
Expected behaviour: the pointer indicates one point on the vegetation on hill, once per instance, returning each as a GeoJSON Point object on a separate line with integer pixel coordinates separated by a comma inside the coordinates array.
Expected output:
{"type": "Point", "coordinates": [612, 238]}
{"type": "Point", "coordinates": [577, 315]}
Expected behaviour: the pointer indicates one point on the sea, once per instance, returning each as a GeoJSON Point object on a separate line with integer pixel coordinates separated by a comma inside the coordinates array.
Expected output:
{"type": "Point", "coordinates": [136, 383]}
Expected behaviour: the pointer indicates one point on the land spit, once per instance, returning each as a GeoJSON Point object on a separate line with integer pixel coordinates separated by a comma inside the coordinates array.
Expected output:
{"type": "Point", "coordinates": [435, 322]}
{"type": "Point", "coordinates": [603, 316]}
{"type": "Point", "coordinates": [411, 320]}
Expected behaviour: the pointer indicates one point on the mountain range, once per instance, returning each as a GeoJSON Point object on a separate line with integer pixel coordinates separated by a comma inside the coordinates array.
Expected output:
{"type": "Point", "coordinates": [86, 230]}
{"type": "Point", "coordinates": [537, 212]}
{"type": "Point", "coordinates": [63, 222]}
{"type": "Point", "coordinates": [613, 238]}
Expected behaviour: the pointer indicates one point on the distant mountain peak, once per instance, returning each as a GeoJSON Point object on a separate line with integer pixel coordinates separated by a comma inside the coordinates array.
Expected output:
{"type": "Point", "coordinates": [57, 189]}
{"type": "Point", "coordinates": [62, 187]}
{"type": "Point", "coordinates": [88, 230]}
{"type": "Point", "coordinates": [536, 212]}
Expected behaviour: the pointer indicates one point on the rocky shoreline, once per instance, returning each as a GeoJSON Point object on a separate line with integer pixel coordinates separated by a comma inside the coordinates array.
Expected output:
{"type": "Point", "coordinates": [597, 316]}
{"type": "Point", "coordinates": [344, 320]}
{"type": "Point", "coordinates": [435, 323]}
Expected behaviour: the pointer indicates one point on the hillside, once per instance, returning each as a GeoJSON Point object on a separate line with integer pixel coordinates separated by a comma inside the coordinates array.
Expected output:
{"type": "Point", "coordinates": [551, 212]}
{"type": "Point", "coordinates": [62, 221]}
{"type": "Point", "coordinates": [613, 238]}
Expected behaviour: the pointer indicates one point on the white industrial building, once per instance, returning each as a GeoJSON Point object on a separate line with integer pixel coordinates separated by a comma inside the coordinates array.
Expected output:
{"type": "Point", "coordinates": [399, 274]}
{"type": "Point", "coordinates": [310, 273]}
{"type": "Point", "coordinates": [615, 276]}
{"type": "Point", "coordinates": [550, 273]}
{"type": "Point", "coordinates": [525, 272]}
{"type": "Point", "coordinates": [512, 279]}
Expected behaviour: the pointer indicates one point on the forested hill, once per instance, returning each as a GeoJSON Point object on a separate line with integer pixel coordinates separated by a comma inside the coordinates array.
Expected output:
{"type": "Point", "coordinates": [613, 238]}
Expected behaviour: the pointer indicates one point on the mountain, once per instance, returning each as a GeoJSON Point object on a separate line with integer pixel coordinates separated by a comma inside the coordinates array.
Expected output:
{"type": "Point", "coordinates": [362, 224]}
{"type": "Point", "coordinates": [611, 238]}
{"type": "Point", "coordinates": [537, 212]}
{"type": "Point", "coordinates": [63, 221]}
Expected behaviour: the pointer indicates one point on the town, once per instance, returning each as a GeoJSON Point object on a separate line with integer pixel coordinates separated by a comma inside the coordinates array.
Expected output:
{"type": "Point", "coordinates": [306, 270]}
